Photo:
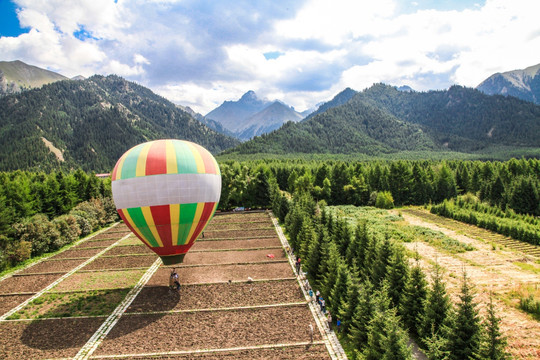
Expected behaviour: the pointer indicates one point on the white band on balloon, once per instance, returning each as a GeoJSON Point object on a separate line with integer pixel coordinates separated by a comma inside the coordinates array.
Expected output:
{"type": "Point", "coordinates": [165, 189]}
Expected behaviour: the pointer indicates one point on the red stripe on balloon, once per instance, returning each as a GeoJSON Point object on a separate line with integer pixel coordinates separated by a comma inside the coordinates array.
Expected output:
{"type": "Point", "coordinates": [162, 219]}
{"type": "Point", "coordinates": [209, 165]}
{"type": "Point", "coordinates": [173, 250]}
{"type": "Point", "coordinates": [156, 160]}
{"type": "Point", "coordinates": [205, 216]}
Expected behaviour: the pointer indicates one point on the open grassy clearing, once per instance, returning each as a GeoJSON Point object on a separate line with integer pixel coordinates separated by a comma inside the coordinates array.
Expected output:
{"type": "Point", "coordinates": [98, 280]}
{"type": "Point", "coordinates": [490, 269]}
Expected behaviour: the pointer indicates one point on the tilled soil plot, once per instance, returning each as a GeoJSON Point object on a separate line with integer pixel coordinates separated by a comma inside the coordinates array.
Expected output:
{"type": "Point", "coordinates": [233, 257]}
{"type": "Point", "coordinates": [27, 283]}
{"type": "Point", "coordinates": [111, 235]}
{"type": "Point", "coordinates": [73, 254]}
{"type": "Point", "coordinates": [129, 250]}
{"type": "Point", "coordinates": [313, 352]}
{"type": "Point", "coordinates": [213, 296]}
{"type": "Point", "coordinates": [239, 217]}
{"type": "Point", "coordinates": [224, 273]}
{"type": "Point", "coordinates": [8, 302]}
{"type": "Point", "coordinates": [121, 262]}
{"type": "Point", "coordinates": [235, 234]}
{"type": "Point", "coordinates": [51, 266]}
{"type": "Point", "coordinates": [94, 244]}
{"type": "Point", "coordinates": [208, 330]}
{"type": "Point", "coordinates": [52, 338]}
{"type": "Point", "coordinates": [235, 244]}
{"type": "Point", "coordinates": [240, 225]}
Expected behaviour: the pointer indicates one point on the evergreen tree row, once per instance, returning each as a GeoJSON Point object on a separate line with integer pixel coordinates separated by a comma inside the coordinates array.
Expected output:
{"type": "Point", "coordinates": [367, 282]}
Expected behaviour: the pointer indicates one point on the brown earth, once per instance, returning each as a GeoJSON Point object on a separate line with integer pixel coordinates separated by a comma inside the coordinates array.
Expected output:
{"type": "Point", "coordinates": [8, 302]}
{"type": "Point", "coordinates": [190, 330]}
{"type": "Point", "coordinates": [111, 235]}
{"type": "Point", "coordinates": [94, 244]}
{"type": "Point", "coordinates": [52, 338]}
{"type": "Point", "coordinates": [239, 217]}
{"type": "Point", "coordinates": [129, 250]}
{"type": "Point", "coordinates": [239, 225]}
{"type": "Point", "coordinates": [76, 253]}
{"type": "Point", "coordinates": [235, 244]}
{"type": "Point", "coordinates": [234, 234]}
{"type": "Point", "coordinates": [27, 283]}
{"type": "Point", "coordinates": [313, 352]}
{"type": "Point", "coordinates": [224, 273]}
{"type": "Point", "coordinates": [50, 266]}
{"type": "Point", "coordinates": [121, 262]}
{"type": "Point", "coordinates": [233, 257]}
{"type": "Point", "coordinates": [211, 296]}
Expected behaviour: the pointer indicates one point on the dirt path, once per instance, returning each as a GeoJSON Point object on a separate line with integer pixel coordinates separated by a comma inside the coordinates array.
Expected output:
{"type": "Point", "coordinates": [489, 270]}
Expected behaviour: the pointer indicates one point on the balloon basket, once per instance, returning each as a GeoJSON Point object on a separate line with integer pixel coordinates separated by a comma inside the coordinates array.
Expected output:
{"type": "Point", "coordinates": [173, 259]}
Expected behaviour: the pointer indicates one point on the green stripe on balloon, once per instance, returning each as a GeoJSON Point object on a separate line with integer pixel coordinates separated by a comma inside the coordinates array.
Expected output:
{"type": "Point", "coordinates": [184, 158]}
{"type": "Point", "coordinates": [130, 164]}
{"type": "Point", "coordinates": [140, 223]}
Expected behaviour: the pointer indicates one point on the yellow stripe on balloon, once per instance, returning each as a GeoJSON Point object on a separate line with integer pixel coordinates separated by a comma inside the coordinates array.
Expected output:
{"type": "Point", "coordinates": [147, 213]}
{"type": "Point", "coordinates": [175, 218]}
{"type": "Point", "coordinates": [196, 219]}
{"type": "Point", "coordinates": [132, 224]}
{"type": "Point", "coordinates": [118, 173]}
{"type": "Point", "coordinates": [141, 161]}
{"type": "Point", "coordinates": [198, 158]}
{"type": "Point", "coordinates": [170, 154]}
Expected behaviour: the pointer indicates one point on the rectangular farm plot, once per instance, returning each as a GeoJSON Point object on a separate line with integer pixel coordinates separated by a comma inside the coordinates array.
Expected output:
{"type": "Point", "coordinates": [224, 273]}
{"type": "Point", "coordinates": [239, 225]}
{"type": "Point", "coordinates": [94, 244]}
{"type": "Point", "coordinates": [111, 235]}
{"type": "Point", "coordinates": [53, 266]}
{"type": "Point", "coordinates": [241, 233]}
{"type": "Point", "coordinates": [201, 245]}
{"type": "Point", "coordinates": [44, 339]}
{"type": "Point", "coordinates": [130, 240]}
{"type": "Point", "coordinates": [239, 217]}
{"type": "Point", "coordinates": [8, 302]}
{"type": "Point", "coordinates": [27, 283]}
{"type": "Point", "coordinates": [144, 333]}
{"type": "Point", "coordinates": [72, 304]}
{"type": "Point", "coordinates": [129, 250]}
{"type": "Point", "coordinates": [233, 257]}
{"type": "Point", "coordinates": [300, 352]}
{"type": "Point", "coordinates": [96, 280]}
{"type": "Point", "coordinates": [77, 253]}
{"type": "Point", "coordinates": [121, 262]}
{"type": "Point", "coordinates": [214, 296]}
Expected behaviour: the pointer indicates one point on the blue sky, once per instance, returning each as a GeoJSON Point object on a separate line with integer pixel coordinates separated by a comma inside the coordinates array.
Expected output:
{"type": "Point", "coordinates": [203, 52]}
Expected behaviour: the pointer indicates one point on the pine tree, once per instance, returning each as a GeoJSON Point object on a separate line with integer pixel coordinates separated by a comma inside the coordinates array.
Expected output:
{"type": "Point", "coordinates": [362, 316]}
{"type": "Point", "coordinates": [396, 339]}
{"type": "Point", "coordinates": [437, 347]}
{"type": "Point", "coordinates": [348, 307]}
{"type": "Point", "coordinates": [332, 265]}
{"type": "Point", "coordinates": [376, 346]}
{"type": "Point", "coordinates": [467, 333]}
{"type": "Point", "coordinates": [380, 266]}
{"type": "Point", "coordinates": [436, 307]}
{"type": "Point", "coordinates": [494, 344]}
{"type": "Point", "coordinates": [412, 301]}
{"type": "Point", "coordinates": [338, 295]}
{"type": "Point", "coordinates": [397, 276]}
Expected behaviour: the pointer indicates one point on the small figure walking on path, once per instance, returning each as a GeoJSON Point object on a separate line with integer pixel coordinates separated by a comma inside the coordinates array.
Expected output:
{"type": "Point", "coordinates": [323, 306]}
{"type": "Point", "coordinates": [338, 325]}
{"type": "Point", "coordinates": [298, 265]}
{"type": "Point", "coordinates": [311, 333]}
{"type": "Point", "coordinates": [329, 319]}
{"type": "Point", "coordinates": [310, 295]}
{"type": "Point", "coordinates": [173, 280]}
{"type": "Point", "coordinates": [317, 297]}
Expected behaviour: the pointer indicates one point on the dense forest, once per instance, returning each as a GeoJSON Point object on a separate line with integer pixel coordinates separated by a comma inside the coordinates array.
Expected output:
{"type": "Point", "coordinates": [91, 123]}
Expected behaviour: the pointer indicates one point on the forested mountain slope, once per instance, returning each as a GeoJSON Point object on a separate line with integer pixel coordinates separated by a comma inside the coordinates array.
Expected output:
{"type": "Point", "coordinates": [384, 119]}
{"type": "Point", "coordinates": [90, 124]}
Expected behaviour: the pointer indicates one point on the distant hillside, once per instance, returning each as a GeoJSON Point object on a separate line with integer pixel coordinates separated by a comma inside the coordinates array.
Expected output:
{"type": "Point", "coordinates": [91, 123]}
{"type": "Point", "coordinates": [523, 84]}
{"type": "Point", "coordinates": [16, 76]}
{"type": "Point", "coordinates": [270, 118]}
{"type": "Point", "coordinates": [339, 99]}
{"type": "Point", "coordinates": [251, 116]}
{"type": "Point", "coordinates": [383, 119]}
{"type": "Point", "coordinates": [212, 124]}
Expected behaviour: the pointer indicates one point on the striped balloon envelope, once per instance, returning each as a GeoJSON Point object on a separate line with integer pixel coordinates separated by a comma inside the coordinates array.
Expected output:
{"type": "Point", "coordinates": [166, 191]}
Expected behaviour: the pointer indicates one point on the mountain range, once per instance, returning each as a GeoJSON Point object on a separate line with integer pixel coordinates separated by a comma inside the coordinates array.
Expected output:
{"type": "Point", "coordinates": [250, 116]}
{"type": "Point", "coordinates": [523, 84]}
{"type": "Point", "coordinates": [90, 124]}
{"type": "Point", "coordinates": [383, 119]}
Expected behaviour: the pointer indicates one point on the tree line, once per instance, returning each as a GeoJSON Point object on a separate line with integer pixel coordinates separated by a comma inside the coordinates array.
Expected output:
{"type": "Point", "coordinates": [40, 212]}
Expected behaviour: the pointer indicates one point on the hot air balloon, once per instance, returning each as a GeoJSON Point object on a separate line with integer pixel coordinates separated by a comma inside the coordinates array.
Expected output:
{"type": "Point", "coordinates": [166, 191]}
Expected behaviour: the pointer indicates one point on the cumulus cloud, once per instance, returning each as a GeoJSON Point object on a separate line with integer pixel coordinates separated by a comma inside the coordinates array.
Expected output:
{"type": "Point", "coordinates": [201, 53]}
